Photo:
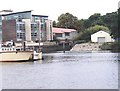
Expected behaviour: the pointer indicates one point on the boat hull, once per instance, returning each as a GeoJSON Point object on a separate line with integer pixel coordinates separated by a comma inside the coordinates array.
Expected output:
{"type": "Point", "coordinates": [15, 56]}
{"type": "Point", "coordinates": [37, 56]}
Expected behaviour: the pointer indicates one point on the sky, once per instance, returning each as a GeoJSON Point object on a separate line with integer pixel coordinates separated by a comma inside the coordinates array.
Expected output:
{"type": "Point", "coordinates": [54, 8]}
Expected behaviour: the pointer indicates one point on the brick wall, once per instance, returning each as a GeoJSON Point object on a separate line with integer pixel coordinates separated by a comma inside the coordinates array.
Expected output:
{"type": "Point", "coordinates": [9, 30]}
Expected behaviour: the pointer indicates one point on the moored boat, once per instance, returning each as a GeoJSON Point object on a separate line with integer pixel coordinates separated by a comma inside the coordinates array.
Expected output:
{"type": "Point", "coordinates": [13, 54]}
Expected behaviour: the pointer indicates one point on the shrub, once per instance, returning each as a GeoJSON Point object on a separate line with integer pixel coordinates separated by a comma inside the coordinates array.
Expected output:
{"type": "Point", "coordinates": [106, 46]}
{"type": "Point", "coordinates": [116, 46]}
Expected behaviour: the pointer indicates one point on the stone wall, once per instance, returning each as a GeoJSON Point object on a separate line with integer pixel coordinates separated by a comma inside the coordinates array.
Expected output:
{"type": "Point", "coordinates": [87, 47]}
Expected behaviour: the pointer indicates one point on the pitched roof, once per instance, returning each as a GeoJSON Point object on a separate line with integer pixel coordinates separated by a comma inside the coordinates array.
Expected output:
{"type": "Point", "coordinates": [101, 31]}
{"type": "Point", "coordinates": [62, 30]}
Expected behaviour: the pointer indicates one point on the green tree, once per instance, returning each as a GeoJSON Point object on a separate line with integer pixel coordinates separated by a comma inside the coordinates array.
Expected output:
{"type": "Point", "coordinates": [93, 20]}
{"type": "Point", "coordinates": [54, 24]}
{"type": "Point", "coordinates": [67, 20]}
{"type": "Point", "coordinates": [111, 21]}
{"type": "Point", "coordinates": [117, 34]}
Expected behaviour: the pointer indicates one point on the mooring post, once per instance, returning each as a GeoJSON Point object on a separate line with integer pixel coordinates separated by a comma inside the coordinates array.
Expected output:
{"type": "Point", "coordinates": [24, 46]}
{"type": "Point", "coordinates": [63, 47]}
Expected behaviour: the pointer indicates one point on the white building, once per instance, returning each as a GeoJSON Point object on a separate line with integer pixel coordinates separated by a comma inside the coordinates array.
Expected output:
{"type": "Point", "coordinates": [101, 36]}
{"type": "Point", "coordinates": [62, 33]}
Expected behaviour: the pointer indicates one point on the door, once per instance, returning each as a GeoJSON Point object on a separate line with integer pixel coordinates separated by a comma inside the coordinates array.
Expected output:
{"type": "Point", "coordinates": [101, 39]}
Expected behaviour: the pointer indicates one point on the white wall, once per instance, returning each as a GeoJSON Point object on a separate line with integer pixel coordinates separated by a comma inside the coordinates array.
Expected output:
{"type": "Point", "coordinates": [71, 37]}
{"type": "Point", "coordinates": [49, 30]}
{"type": "Point", "coordinates": [94, 37]}
{"type": "Point", "coordinates": [27, 29]}
{"type": "Point", "coordinates": [73, 34]}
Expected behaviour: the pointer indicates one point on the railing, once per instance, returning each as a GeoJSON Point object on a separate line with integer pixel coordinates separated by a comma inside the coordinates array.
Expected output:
{"type": "Point", "coordinates": [4, 49]}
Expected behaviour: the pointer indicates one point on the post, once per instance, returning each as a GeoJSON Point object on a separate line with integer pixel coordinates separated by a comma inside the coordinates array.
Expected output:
{"type": "Point", "coordinates": [63, 47]}
{"type": "Point", "coordinates": [24, 46]}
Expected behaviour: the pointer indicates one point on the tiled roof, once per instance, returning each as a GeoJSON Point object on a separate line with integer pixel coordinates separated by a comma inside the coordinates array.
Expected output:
{"type": "Point", "coordinates": [62, 30]}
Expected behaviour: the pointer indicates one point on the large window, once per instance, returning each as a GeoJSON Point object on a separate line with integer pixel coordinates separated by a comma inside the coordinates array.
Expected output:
{"type": "Point", "coordinates": [19, 16]}
{"type": "Point", "coordinates": [0, 32]}
{"type": "Point", "coordinates": [58, 34]}
{"type": "Point", "coordinates": [21, 36]}
{"type": "Point", "coordinates": [67, 34]}
{"type": "Point", "coordinates": [0, 27]}
{"type": "Point", "coordinates": [34, 27]}
{"type": "Point", "coordinates": [22, 26]}
{"type": "Point", "coordinates": [34, 36]}
{"type": "Point", "coordinates": [42, 26]}
{"type": "Point", "coordinates": [0, 18]}
{"type": "Point", "coordinates": [42, 20]}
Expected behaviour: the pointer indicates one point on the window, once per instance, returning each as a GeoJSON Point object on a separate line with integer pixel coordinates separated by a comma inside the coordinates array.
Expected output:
{"type": "Point", "coordinates": [0, 27]}
{"type": "Point", "coordinates": [42, 20]}
{"type": "Point", "coordinates": [36, 18]}
{"type": "Point", "coordinates": [34, 26]}
{"type": "Point", "coordinates": [67, 34]}
{"type": "Point", "coordinates": [34, 34]}
{"type": "Point", "coordinates": [0, 19]}
{"type": "Point", "coordinates": [21, 35]}
{"type": "Point", "coordinates": [22, 27]}
{"type": "Point", "coordinates": [58, 35]}
{"type": "Point", "coordinates": [17, 26]}
{"type": "Point", "coordinates": [20, 18]}
{"type": "Point", "coordinates": [42, 26]}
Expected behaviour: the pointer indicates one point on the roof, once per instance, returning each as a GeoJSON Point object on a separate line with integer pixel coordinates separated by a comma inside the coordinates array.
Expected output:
{"type": "Point", "coordinates": [16, 13]}
{"type": "Point", "coordinates": [62, 30]}
{"type": "Point", "coordinates": [101, 31]}
{"type": "Point", "coordinates": [40, 15]}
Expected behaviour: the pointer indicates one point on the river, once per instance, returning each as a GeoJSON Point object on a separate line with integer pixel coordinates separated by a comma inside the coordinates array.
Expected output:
{"type": "Point", "coordinates": [70, 70]}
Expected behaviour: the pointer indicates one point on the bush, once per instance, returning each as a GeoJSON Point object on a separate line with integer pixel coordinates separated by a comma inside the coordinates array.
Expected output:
{"type": "Point", "coordinates": [116, 46]}
{"type": "Point", "coordinates": [106, 46]}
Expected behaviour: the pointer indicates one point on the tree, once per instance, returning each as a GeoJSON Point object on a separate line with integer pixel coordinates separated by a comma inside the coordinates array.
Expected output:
{"type": "Point", "coordinates": [111, 21]}
{"type": "Point", "coordinates": [67, 20]}
{"type": "Point", "coordinates": [54, 24]}
{"type": "Point", "coordinates": [117, 34]}
{"type": "Point", "coordinates": [93, 20]}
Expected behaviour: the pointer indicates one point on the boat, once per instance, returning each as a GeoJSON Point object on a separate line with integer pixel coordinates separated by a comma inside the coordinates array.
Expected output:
{"type": "Point", "coordinates": [14, 54]}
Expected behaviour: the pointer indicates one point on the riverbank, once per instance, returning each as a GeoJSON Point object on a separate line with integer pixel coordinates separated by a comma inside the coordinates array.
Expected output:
{"type": "Point", "coordinates": [87, 47]}
{"type": "Point", "coordinates": [53, 47]}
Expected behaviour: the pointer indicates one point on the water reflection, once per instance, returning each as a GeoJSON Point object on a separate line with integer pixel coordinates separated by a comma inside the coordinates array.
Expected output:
{"type": "Point", "coordinates": [80, 56]}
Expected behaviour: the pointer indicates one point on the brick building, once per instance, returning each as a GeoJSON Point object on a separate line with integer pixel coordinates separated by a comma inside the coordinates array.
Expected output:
{"type": "Point", "coordinates": [23, 26]}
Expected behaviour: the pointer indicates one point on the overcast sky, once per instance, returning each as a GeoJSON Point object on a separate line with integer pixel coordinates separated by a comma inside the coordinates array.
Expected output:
{"type": "Point", "coordinates": [54, 8]}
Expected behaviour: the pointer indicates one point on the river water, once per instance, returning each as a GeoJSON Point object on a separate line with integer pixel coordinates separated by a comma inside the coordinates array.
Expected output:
{"type": "Point", "coordinates": [70, 70]}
